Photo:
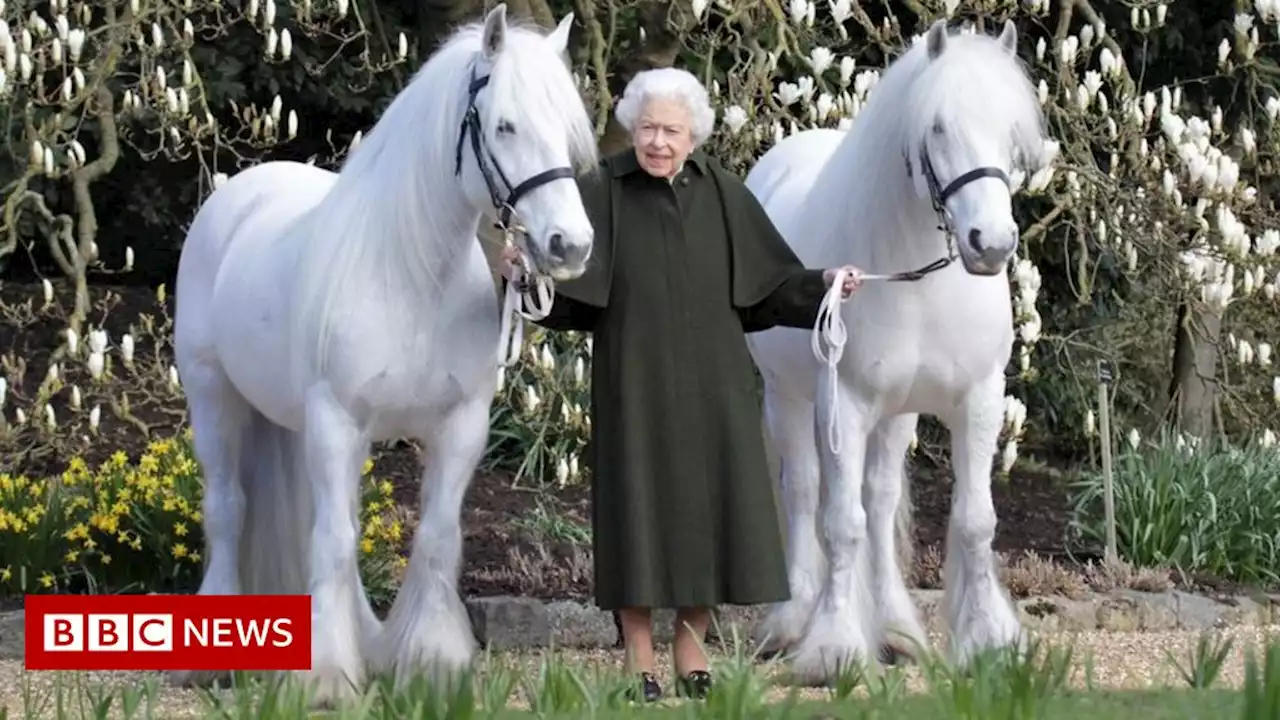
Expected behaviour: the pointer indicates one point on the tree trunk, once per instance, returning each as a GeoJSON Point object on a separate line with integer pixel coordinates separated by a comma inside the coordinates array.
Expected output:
{"type": "Point", "coordinates": [664, 23]}
{"type": "Point", "coordinates": [1193, 390]}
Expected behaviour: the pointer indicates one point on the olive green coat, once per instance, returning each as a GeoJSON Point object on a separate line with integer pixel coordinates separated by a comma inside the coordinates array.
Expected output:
{"type": "Point", "coordinates": [683, 509]}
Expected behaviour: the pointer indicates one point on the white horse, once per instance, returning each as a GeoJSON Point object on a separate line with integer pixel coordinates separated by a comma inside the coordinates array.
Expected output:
{"type": "Point", "coordinates": [320, 312]}
{"type": "Point", "coordinates": [923, 173]}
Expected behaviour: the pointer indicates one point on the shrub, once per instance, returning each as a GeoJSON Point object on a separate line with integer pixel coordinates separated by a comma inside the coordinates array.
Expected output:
{"type": "Point", "coordinates": [1203, 507]}
{"type": "Point", "coordinates": [540, 420]}
{"type": "Point", "coordinates": [135, 527]}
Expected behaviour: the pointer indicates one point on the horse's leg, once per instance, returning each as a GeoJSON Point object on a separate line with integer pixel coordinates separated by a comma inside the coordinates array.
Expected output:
{"type": "Point", "coordinates": [789, 423]}
{"type": "Point", "coordinates": [428, 628]}
{"type": "Point", "coordinates": [335, 448]}
{"type": "Point", "coordinates": [886, 466]}
{"type": "Point", "coordinates": [219, 418]}
{"type": "Point", "coordinates": [844, 620]}
{"type": "Point", "coordinates": [979, 612]}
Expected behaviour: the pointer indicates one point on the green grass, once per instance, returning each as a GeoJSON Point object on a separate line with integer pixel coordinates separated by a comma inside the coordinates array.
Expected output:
{"type": "Point", "coordinates": [1042, 684]}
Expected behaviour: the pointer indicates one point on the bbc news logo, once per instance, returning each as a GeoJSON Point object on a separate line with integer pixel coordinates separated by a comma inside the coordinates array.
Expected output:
{"type": "Point", "coordinates": [168, 632]}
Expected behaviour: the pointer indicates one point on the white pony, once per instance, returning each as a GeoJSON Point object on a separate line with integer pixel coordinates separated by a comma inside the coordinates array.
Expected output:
{"type": "Point", "coordinates": [320, 312]}
{"type": "Point", "coordinates": [923, 173]}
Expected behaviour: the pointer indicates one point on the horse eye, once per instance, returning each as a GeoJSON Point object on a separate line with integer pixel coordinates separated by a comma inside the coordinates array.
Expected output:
{"type": "Point", "coordinates": [506, 128]}
{"type": "Point", "coordinates": [938, 129]}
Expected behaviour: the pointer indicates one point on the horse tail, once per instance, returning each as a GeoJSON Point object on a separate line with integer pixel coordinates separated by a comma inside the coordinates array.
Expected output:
{"type": "Point", "coordinates": [904, 527]}
{"type": "Point", "coordinates": [275, 547]}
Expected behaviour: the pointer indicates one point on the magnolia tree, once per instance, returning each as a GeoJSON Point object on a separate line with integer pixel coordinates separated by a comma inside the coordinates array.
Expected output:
{"type": "Point", "coordinates": [83, 82]}
{"type": "Point", "coordinates": [1161, 247]}
{"type": "Point", "coordinates": [81, 85]}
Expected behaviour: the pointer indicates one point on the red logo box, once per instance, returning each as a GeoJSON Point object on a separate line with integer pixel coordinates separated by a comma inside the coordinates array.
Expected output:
{"type": "Point", "coordinates": [168, 632]}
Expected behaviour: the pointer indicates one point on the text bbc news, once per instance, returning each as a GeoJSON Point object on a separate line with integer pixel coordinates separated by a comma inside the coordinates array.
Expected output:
{"type": "Point", "coordinates": [147, 632]}
{"type": "Point", "coordinates": [168, 632]}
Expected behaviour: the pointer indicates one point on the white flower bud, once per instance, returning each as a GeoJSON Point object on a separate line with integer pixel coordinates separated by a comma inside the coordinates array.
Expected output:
{"type": "Point", "coordinates": [1009, 456]}
{"type": "Point", "coordinates": [75, 44]}
{"type": "Point", "coordinates": [96, 364]}
{"type": "Point", "coordinates": [98, 341]}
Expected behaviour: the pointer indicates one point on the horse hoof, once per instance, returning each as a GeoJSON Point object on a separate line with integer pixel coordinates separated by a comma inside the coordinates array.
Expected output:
{"type": "Point", "coordinates": [771, 653]}
{"type": "Point", "coordinates": [893, 656]}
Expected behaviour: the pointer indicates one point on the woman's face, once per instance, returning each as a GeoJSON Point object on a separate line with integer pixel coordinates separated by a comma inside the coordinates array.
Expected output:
{"type": "Point", "coordinates": [663, 137]}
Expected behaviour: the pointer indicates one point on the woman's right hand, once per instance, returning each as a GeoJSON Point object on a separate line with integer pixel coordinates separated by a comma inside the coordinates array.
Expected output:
{"type": "Point", "coordinates": [509, 262]}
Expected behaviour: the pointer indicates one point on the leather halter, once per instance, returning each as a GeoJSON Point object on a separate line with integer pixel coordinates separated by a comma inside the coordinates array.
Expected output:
{"type": "Point", "coordinates": [489, 164]}
{"type": "Point", "coordinates": [939, 196]}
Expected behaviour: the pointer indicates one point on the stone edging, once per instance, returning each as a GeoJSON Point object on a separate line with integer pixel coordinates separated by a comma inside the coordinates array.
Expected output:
{"type": "Point", "coordinates": [506, 623]}
{"type": "Point", "coordinates": [511, 623]}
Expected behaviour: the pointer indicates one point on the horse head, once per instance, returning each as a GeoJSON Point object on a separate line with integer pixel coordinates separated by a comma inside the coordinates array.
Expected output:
{"type": "Point", "coordinates": [977, 120]}
{"type": "Point", "coordinates": [524, 133]}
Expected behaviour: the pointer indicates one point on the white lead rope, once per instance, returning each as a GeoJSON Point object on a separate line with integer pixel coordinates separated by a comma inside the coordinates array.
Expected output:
{"type": "Point", "coordinates": [539, 302]}
{"type": "Point", "coordinates": [830, 329]}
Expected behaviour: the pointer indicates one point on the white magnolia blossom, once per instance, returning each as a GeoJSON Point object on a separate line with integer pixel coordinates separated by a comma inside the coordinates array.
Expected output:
{"type": "Point", "coordinates": [1009, 456]}
{"type": "Point", "coordinates": [734, 118]}
{"type": "Point", "coordinates": [96, 364]}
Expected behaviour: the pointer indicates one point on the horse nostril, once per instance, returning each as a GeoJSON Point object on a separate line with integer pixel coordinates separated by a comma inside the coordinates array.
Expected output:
{"type": "Point", "coordinates": [975, 239]}
{"type": "Point", "coordinates": [556, 244]}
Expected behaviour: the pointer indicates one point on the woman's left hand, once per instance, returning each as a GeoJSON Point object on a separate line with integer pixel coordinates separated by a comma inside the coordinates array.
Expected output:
{"type": "Point", "coordinates": [852, 279]}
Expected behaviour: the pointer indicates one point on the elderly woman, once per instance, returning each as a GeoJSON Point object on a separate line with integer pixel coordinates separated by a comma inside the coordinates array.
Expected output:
{"type": "Point", "coordinates": [686, 261]}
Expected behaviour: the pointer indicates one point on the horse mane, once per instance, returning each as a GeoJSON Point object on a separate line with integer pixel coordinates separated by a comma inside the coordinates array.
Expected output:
{"type": "Point", "coordinates": [976, 87]}
{"type": "Point", "coordinates": [395, 213]}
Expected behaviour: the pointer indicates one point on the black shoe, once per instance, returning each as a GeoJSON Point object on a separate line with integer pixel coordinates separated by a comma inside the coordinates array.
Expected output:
{"type": "Point", "coordinates": [649, 687]}
{"type": "Point", "coordinates": [696, 684]}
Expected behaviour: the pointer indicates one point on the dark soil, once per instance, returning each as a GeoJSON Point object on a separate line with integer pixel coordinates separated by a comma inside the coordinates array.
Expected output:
{"type": "Point", "coordinates": [516, 540]}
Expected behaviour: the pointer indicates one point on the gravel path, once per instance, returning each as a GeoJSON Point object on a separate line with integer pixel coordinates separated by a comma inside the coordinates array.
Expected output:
{"type": "Point", "coordinates": [1129, 660]}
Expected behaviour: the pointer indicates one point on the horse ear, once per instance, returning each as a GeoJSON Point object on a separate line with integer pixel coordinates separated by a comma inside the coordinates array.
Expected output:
{"type": "Point", "coordinates": [1009, 37]}
{"type": "Point", "coordinates": [495, 31]}
{"type": "Point", "coordinates": [936, 40]}
{"type": "Point", "coordinates": [559, 38]}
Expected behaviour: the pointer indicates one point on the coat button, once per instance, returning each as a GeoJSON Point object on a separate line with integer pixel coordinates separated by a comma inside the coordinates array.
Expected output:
{"type": "Point", "coordinates": [684, 182]}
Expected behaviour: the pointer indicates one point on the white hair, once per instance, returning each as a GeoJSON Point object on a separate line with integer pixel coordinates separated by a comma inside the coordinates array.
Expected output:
{"type": "Point", "coordinates": [668, 84]}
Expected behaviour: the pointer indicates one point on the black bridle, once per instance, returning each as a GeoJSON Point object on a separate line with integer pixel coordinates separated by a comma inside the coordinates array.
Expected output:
{"type": "Point", "coordinates": [939, 195]}
{"type": "Point", "coordinates": [489, 164]}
